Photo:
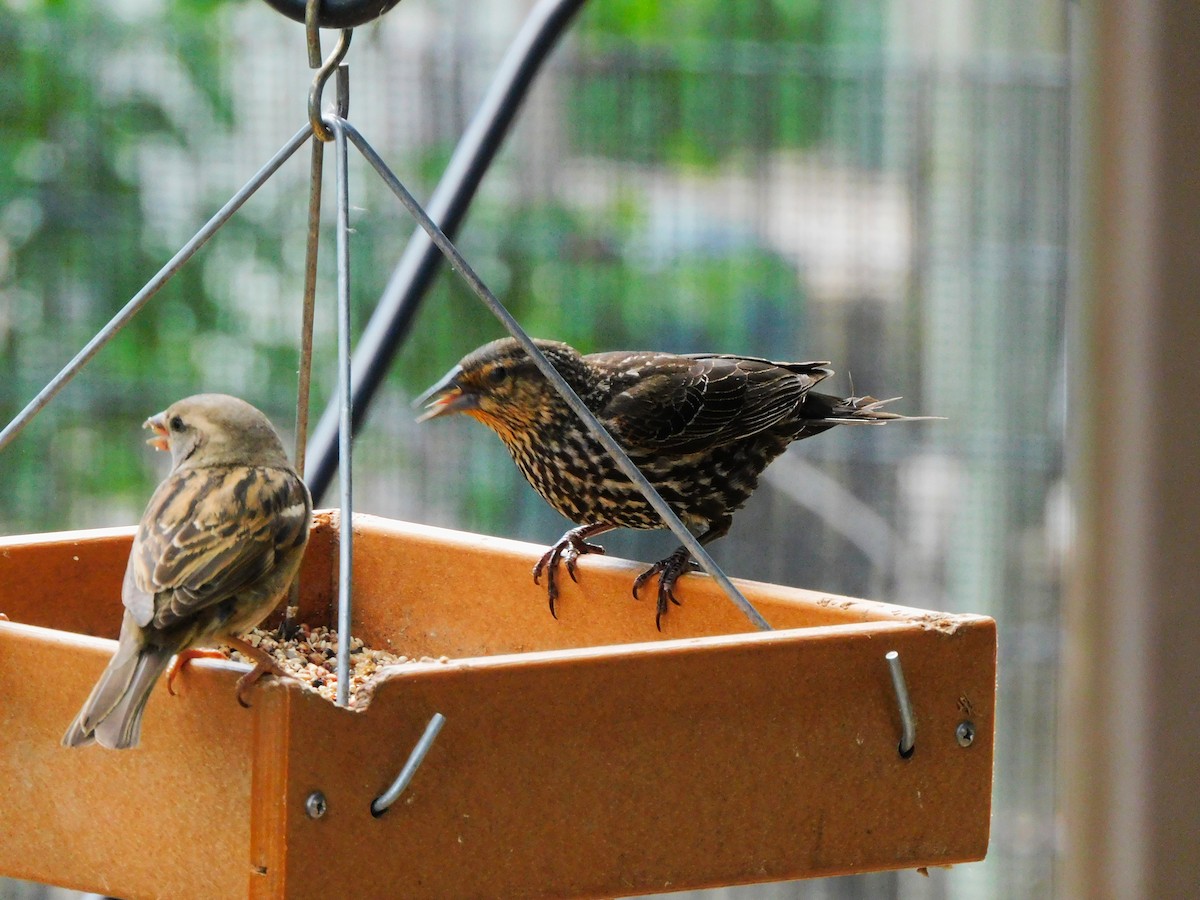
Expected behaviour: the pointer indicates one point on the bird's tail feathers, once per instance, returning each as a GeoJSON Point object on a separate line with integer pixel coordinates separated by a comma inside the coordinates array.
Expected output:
{"type": "Point", "coordinates": [112, 714]}
{"type": "Point", "coordinates": [865, 410]}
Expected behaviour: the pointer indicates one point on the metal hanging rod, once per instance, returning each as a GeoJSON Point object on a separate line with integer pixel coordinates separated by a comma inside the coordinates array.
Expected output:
{"type": "Point", "coordinates": [554, 14]}
{"type": "Point", "coordinates": [389, 324]}
{"type": "Point", "coordinates": [618, 454]}
{"type": "Point", "coordinates": [345, 432]}
{"type": "Point", "coordinates": [130, 309]}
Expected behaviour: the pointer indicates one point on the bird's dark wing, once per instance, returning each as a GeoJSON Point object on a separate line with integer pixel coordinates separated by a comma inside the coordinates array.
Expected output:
{"type": "Point", "coordinates": [688, 403]}
{"type": "Point", "coordinates": [207, 534]}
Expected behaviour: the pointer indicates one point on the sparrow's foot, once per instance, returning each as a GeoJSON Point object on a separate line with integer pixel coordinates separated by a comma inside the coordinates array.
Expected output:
{"type": "Point", "coordinates": [264, 664]}
{"type": "Point", "coordinates": [183, 657]}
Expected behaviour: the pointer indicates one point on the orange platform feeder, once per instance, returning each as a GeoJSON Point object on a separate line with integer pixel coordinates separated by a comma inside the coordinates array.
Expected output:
{"type": "Point", "coordinates": [588, 756]}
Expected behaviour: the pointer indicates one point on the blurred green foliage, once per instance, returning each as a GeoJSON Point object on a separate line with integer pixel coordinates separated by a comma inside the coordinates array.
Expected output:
{"type": "Point", "coordinates": [648, 22]}
{"type": "Point", "coordinates": [694, 82]}
{"type": "Point", "coordinates": [103, 92]}
{"type": "Point", "coordinates": [84, 90]}
{"type": "Point", "coordinates": [597, 280]}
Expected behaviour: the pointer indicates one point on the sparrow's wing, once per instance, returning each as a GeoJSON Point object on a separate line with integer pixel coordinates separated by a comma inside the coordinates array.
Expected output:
{"type": "Point", "coordinates": [207, 534]}
{"type": "Point", "coordinates": [689, 403]}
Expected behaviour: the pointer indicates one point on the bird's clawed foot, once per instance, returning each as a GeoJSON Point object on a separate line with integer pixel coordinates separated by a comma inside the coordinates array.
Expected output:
{"type": "Point", "coordinates": [668, 571]}
{"type": "Point", "coordinates": [569, 548]}
{"type": "Point", "coordinates": [182, 658]}
{"type": "Point", "coordinates": [252, 677]}
{"type": "Point", "coordinates": [264, 664]}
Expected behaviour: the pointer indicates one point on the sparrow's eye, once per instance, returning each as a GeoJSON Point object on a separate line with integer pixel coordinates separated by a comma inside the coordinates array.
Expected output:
{"type": "Point", "coordinates": [176, 423]}
{"type": "Point", "coordinates": [498, 374]}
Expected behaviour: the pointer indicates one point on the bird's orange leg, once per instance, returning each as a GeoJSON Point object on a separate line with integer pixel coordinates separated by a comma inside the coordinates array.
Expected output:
{"type": "Point", "coordinates": [264, 664]}
{"type": "Point", "coordinates": [183, 657]}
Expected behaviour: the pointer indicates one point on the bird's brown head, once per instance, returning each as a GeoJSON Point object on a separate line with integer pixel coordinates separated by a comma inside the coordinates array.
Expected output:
{"type": "Point", "coordinates": [214, 430]}
{"type": "Point", "coordinates": [500, 385]}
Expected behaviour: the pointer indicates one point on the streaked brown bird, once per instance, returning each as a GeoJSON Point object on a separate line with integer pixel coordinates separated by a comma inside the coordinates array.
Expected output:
{"type": "Point", "coordinates": [217, 548]}
{"type": "Point", "coordinates": [701, 427]}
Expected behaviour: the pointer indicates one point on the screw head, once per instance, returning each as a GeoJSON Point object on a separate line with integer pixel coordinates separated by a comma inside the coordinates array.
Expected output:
{"type": "Point", "coordinates": [965, 734]}
{"type": "Point", "coordinates": [315, 805]}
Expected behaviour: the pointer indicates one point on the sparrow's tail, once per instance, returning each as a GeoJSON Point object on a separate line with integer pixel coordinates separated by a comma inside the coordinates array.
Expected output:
{"type": "Point", "coordinates": [822, 411]}
{"type": "Point", "coordinates": [112, 715]}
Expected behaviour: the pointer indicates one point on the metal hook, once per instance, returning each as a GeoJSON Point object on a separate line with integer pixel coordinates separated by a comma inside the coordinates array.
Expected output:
{"type": "Point", "coordinates": [908, 721]}
{"type": "Point", "coordinates": [318, 86]}
{"type": "Point", "coordinates": [381, 803]}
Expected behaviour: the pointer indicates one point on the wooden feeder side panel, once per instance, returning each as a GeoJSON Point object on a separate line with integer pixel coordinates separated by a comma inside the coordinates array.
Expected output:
{"type": "Point", "coordinates": [169, 818]}
{"type": "Point", "coordinates": [426, 591]}
{"type": "Point", "coordinates": [756, 758]}
{"type": "Point", "coordinates": [66, 580]}
{"type": "Point", "coordinates": [273, 710]}
{"type": "Point", "coordinates": [71, 580]}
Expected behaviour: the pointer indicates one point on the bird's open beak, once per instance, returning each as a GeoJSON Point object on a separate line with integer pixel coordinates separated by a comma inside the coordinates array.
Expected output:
{"type": "Point", "coordinates": [157, 424]}
{"type": "Point", "coordinates": [447, 396]}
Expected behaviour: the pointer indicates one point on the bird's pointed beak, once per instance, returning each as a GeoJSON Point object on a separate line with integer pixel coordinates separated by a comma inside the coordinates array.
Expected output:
{"type": "Point", "coordinates": [445, 397]}
{"type": "Point", "coordinates": [158, 424]}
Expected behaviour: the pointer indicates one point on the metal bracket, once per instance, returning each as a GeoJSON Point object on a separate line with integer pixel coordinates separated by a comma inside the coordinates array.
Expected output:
{"type": "Point", "coordinates": [381, 803]}
{"type": "Point", "coordinates": [908, 720]}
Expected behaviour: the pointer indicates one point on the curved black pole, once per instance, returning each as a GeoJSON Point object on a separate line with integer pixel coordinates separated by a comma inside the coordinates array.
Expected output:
{"type": "Point", "coordinates": [406, 289]}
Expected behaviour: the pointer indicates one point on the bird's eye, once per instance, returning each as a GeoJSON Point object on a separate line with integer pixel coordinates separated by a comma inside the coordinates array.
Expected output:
{"type": "Point", "coordinates": [176, 423]}
{"type": "Point", "coordinates": [498, 374]}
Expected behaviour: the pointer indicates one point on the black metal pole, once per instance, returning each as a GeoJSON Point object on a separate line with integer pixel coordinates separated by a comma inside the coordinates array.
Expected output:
{"type": "Point", "coordinates": [406, 289]}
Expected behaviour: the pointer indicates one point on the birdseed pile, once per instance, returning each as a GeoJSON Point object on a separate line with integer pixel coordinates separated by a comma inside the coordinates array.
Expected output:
{"type": "Point", "coordinates": [310, 657]}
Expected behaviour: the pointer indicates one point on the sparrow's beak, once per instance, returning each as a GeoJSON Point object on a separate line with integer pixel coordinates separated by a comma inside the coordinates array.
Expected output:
{"type": "Point", "coordinates": [157, 424]}
{"type": "Point", "coordinates": [447, 396]}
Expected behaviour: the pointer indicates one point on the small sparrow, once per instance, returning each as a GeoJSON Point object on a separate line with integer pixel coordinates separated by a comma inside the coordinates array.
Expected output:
{"type": "Point", "coordinates": [701, 427]}
{"type": "Point", "coordinates": [217, 548]}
